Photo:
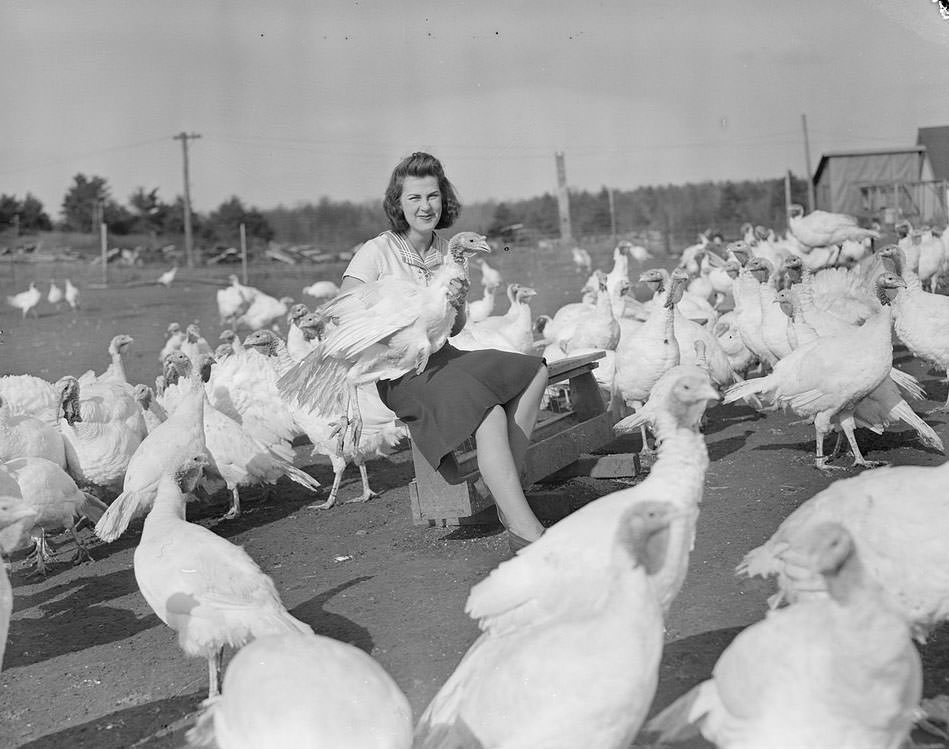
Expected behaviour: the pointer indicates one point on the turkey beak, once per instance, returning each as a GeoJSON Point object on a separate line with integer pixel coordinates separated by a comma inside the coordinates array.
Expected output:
{"type": "Point", "coordinates": [484, 247]}
{"type": "Point", "coordinates": [709, 393]}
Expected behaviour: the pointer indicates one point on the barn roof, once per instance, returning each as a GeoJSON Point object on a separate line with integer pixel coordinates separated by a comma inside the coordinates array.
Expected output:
{"type": "Point", "coordinates": [936, 142]}
{"type": "Point", "coordinates": [866, 152]}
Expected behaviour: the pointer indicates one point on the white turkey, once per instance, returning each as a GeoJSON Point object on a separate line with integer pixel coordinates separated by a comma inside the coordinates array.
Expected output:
{"type": "Point", "coordinates": [102, 427]}
{"type": "Point", "coordinates": [490, 278]}
{"type": "Point", "coordinates": [825, 378]}
{"type": "Point", "coordinates": [166, 278]}
{"type": "Point", "coordinates": [822, 228]}
{"type": "Point", "coordinates": [236, 456]}
{"type": "Point", "coordinates": [384, 329]}
{"type": "Point", "coordinates": [323, 291]}
{"type": "Point", "coordinates": [208, 590]}
{"type": "Point", "coordinates": [564, 661]}
{"type": "Point", "coordinates": [582, 260]}
{"type": "Point", "coordinates": [299, 690]}
{"type": "Point", "coordinates": [263, 312]}
{"type": "Point", "coordinates": [901, 543]}
{"type": "Point", "coordinates": [175, 336]}
{"type": "Point", "coordinates": [26, 301]}
{"type": "Point", "coordinates": [58, 502]}
{"type": "Point", "coordinates": [233, 300]}
{"type": "Point", "coordinates": [72, 294]}
{"type": "Point", "coordinates": [55, 295]}
{"type": "Point", "coordinates": [838, 671]}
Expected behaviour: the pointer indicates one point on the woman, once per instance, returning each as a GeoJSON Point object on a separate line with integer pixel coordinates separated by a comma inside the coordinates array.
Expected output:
{"type": "Point", "coordinates": [492, 394]}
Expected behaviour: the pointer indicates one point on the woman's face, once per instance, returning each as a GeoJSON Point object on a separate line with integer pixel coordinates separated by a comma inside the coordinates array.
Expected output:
{"type": "Point", "coordinates": [421, 202]}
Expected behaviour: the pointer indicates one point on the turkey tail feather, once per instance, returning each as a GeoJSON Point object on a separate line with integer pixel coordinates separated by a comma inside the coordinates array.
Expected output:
{"type": "Point", "coordinates": [747, 388]}
{"type": "Point", "coordinates": [126, 507]}
{"type": "Point", "coordinates": [907, 383]}
{"type": "Point", "coordinates": [302, 478]}
{"type": "Point", "coordinates": [926, 433]}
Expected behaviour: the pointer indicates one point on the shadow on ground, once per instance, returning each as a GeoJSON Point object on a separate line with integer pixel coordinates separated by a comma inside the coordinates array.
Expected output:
{"type": "Point", "coordinates": [79, 611]}
{"type": "Point", "coordinates": [333, 625]}
{"type": "Point", "coordinates": [147, 725]}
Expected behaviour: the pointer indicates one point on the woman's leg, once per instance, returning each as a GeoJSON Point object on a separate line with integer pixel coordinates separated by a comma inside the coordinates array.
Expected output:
{"type": "Point", "coordinates": [522, 416]}
{"type": "Point", "coordinates": [500, 474]}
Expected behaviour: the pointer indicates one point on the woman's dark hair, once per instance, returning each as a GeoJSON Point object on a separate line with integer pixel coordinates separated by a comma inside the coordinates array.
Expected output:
{"type": "Point", "coordinates": [419, 165]}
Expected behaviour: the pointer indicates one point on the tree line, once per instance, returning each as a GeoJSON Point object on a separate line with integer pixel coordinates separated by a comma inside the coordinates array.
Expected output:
{"type": "Point", "coordinates": [673, 211]}
{"type": "Point", "coordinates": [88, 202]}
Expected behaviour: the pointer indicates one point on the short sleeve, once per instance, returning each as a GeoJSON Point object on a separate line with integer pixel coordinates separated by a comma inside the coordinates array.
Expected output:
{"type": "Point", "coordinates": [366, 265]}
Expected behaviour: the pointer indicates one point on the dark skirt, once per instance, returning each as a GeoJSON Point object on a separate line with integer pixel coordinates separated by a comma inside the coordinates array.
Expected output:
{"type": "Point", "coordinates": [446, 403]}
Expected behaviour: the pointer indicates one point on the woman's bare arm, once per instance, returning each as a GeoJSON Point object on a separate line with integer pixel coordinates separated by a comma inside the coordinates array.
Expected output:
{"type": "Point", "coordinates": [349, 283]}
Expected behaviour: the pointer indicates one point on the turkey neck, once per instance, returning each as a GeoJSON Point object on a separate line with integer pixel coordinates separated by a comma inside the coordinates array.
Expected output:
{"type": "Point", "coordinates": [169, 501]}
{"type": "Point", "coordinates": [604, 304]}
{"type": "Point", "coordinates": [683, 456]}
{"type": "Point", "coordinates": [669, 330]}
{"type": "Point", "coordinates": [453, 267]}
{"type": "Point", "coordinates": [118, 365]}
{"type": "Point", "coordinates": [680, 472]}
{"type": "Point", "coordinates": [911, 279]}
{"type": "Point", "coordinates": [282, 355]}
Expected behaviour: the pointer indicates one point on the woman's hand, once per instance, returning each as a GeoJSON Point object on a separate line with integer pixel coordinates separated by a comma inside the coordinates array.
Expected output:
{"type": "Point", "coordinates": [458, 292]}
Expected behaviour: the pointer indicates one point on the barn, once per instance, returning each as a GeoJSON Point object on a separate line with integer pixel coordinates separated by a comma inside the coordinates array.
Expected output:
{"type": "Point", "coordinates": [888, 184]}
{"type": "Point", "coordinates": [845, 179]}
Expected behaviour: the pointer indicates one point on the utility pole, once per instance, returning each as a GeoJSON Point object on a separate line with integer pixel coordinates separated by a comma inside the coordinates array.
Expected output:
{"type": "Point", "coordinates": [807, 165]}
{"type": "Point", "coordinates": [104, 250]}
{"type": "Point", "coordinates": [184, 138]}
{"type": "Point", "coordinates": [787, 193]}
{"type": "Point", "coordinates": [612, 215]}
{"type": "Point", "coordinates": [563, 198]}
{"type": "Point", "coordinates": [244, 253]}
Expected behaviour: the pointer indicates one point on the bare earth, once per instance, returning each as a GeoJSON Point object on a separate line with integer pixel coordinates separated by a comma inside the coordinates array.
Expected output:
{"type": "Point", "coordinates": [89, 665]}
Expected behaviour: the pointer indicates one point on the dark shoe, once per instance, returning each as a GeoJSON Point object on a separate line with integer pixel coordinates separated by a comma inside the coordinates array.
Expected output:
{"type": "Point", "coordinates": [516, 542]}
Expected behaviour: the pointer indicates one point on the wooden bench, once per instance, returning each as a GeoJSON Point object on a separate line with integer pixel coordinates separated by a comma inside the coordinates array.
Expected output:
{"type": "Point", "coordinates": [559, 439]}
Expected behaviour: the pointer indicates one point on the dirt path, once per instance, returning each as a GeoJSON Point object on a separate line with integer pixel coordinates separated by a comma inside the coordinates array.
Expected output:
{"type": "Point", "coordinates": [88, 664]}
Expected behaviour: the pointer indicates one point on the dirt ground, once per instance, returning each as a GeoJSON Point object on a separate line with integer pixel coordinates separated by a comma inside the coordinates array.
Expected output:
{"type": "Point", "coordinates": [89, 665]}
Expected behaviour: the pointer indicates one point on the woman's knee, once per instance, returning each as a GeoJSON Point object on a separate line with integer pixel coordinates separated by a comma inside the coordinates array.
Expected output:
{"type": "Point", "coordinates": [493, 417]}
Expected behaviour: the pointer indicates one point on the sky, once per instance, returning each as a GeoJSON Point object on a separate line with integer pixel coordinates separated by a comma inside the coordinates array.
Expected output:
{"type": "Point", "coordinates": [295, 101]}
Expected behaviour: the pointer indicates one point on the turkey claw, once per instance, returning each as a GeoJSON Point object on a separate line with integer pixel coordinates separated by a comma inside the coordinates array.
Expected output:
{"type": "Point", "coordinates": [364, 497]}
{"type": "Point", "coordinates": [870, 464]}
{"type": "Point", "coordinates": [822, 465]}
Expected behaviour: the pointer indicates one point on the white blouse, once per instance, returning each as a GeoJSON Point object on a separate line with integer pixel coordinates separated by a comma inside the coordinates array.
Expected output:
{"type": "Point", "coordinates": [390, 254]}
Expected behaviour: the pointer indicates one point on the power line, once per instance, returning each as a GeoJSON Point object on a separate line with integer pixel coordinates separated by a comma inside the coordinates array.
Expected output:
{"type": "Point", "coordinates": [78, 157]}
